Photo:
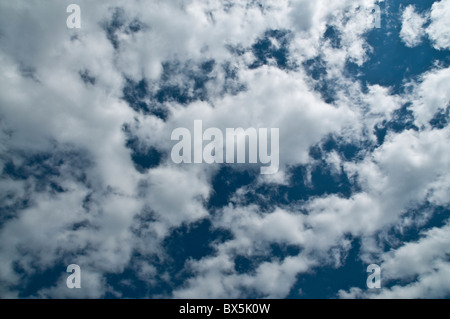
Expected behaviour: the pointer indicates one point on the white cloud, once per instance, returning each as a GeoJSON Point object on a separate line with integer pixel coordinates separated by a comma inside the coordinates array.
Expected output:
{"type": "Point", "coordinates": [432, 95]}
{"type": "Point", "coordinates": [422, 265]}
{"type": "Point", "coordinates": [398, 176]}
{"type": "Point", "coordinates": [93, 285]}
{"type": "Point", "coordinates": [439, 28]}
{"type": "Point", "coordinates": [418, 257]}
{"type": "Point", "coordinates": [47, 108]}
{"type": "Point", "coordinates": [413, 30]}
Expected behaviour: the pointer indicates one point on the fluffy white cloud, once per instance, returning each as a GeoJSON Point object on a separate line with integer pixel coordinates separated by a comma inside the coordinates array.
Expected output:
{"type": "Point", "coordinates": [422, 267]}
{"type": "Point", "coordinates": [432, 96]}
{"type": "Point", "coordinates": [396, 177]}
{"type": "Point", "coordinates": [413, 29]}
{"type": "Point", "coordinates": [439, 28]}
{"type": "Point", "coordinates": [413, 25]}
{"type": "Point", "coordinates": [105, 210]}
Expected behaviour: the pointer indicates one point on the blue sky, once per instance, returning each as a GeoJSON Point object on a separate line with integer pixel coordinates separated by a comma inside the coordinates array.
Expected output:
{"type": "Point", "coordinates": [87, 178]}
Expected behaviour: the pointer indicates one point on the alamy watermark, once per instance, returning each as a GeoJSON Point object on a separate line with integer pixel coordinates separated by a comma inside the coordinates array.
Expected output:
{"type": "Point", "coordinates": [74, 280]}
{"type": "Point", "coordinates": [74, 19]}
{"type": "Point", "coordinates": [219, 150]}
{"type": "Point", "coordinates": [374, 279]}
{"type": "Point", "coordinates": [375, 13]}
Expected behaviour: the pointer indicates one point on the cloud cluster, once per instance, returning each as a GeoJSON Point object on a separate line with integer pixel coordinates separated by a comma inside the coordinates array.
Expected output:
{"type": "Point", "coordinates": [413, 29]}
{"type": "Point", "coordinates": [434, 24]}
{"type": "Point", "coordinates": [86, 117]}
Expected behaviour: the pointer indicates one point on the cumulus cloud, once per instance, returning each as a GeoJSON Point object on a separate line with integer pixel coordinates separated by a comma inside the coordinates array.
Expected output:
{"type": "Point", "coordinates": [86, 117]}
{"type": "Point", "coordinates": [438, 30]}
{"type": "Point", "coordinates": [433, 23]}
{"type": "Point", "coordinates": [432, 96]}
{"type": "Point", "coordinates": [413, 30]}
{"type": "Point", "coordinates": [421, 267]}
